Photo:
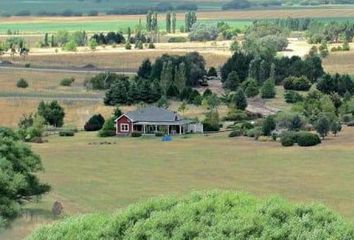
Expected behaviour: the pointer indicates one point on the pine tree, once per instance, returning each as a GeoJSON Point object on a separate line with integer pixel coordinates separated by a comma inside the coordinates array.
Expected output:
{"type": "Point", "coordinates": [174, 22]}
{"type": "Point", "coordinates": [240, 99]}
{"type": "Point", "coordinates": [268, 89]}
{"type": "Point", "coordinates": [180, 77]}
{"type": "Point", "coordinates": [168, 22]}
{"type": "Point", "coordinates": [232, 82]}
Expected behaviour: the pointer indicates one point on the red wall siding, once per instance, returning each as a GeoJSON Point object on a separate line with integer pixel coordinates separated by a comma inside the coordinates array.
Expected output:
{"type": "Point", "coordinates": [123, 120]}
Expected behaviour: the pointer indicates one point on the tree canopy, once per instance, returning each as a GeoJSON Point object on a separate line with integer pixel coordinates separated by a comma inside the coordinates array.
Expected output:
{"type": "Point", "coordinates": [210, 215]}
{"type": "Point", "coordinates": [18, 182]}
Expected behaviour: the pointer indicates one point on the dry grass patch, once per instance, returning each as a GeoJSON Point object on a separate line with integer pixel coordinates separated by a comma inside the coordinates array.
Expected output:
{"type": "Point", "coordinates": [341, 62]}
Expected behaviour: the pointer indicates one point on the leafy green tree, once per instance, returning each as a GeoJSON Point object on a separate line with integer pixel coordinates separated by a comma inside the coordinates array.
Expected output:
{"type": "Point", "coordinates": [336, 127]}
{"type": "Point", "coordinates": [163, 102]}
{"type": "Point", "coordinates": [19, 183]}
{"type": "Point", "coordinates": [180, 77]}
{"type": "Point", "coordinates": [166, 75]}
{"type": "Point", "coordinates": [168, 22]}
{"type": "Point", "coordinates": [268, 125]}
{"type": "Point", "coordinates": [211, 122]}
{"type": "Point", "coordinates": [70, 46]}
{"type": "Point", "coordinates": [268, 89]}
{"type": "Point", "coordinates": [174, 22]}
{"type": "Point", "coordinates": [323, 126]}
{"type": "Point", "coordinates": [52, 113]}
{"type": "Point", "coordinates": [240, 99]}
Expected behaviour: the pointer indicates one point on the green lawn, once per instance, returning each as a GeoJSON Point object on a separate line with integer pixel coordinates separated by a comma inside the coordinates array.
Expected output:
{"type": "Point", "coordinates": [89, 176]}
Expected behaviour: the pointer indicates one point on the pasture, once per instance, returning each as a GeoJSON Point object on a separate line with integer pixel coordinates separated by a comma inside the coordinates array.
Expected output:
{"type": "Point", "coordinates": [92, 174]}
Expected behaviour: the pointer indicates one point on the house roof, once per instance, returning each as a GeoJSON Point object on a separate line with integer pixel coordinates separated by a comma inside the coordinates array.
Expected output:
{"type": "Point", "coordinates": [153, 114]}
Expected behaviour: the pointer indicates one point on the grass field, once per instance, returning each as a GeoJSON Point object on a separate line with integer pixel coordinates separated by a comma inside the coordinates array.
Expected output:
{"type": "Point", "coordinates": [89, 177]}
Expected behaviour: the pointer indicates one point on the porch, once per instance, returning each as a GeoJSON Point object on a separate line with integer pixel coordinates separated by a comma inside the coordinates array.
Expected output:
{"type": "Point", "coordinates": [166, 128]}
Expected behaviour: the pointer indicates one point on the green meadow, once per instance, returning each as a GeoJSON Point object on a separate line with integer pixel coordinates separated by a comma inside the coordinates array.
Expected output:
{"type": "Point", "coordinates": [90, 174]}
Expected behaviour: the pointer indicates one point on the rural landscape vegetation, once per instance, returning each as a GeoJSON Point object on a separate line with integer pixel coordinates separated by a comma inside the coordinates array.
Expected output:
{"type": "Point", "coordinates": [271, 82]}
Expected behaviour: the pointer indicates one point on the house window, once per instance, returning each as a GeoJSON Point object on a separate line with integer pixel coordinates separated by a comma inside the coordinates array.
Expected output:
{"type": "Point", "coordinates": [124, 127]}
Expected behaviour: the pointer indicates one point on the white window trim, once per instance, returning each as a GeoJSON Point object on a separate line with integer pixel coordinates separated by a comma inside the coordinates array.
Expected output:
{"type": "Point", "coordinates": [124, 125]}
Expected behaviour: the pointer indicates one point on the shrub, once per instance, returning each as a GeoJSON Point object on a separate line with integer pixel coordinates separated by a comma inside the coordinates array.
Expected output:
{"type": "Point", "coordinates": [236, 115]}
{"type": "Point", "coordinates": [254, 132]}
{"type": "Point", "coordinates": [212, 72]}
{"type": "Point", "coordinates": [268, 125]}
{"type": "Point", "coordinates": [292, 97]}
{"type": "Point", "coordinates": [106, 133]}
{"type": "Point", "coordinates": [288, 139]}
{"type": "Point", "coordinates": [22, 83]}
{"type": "Point", "coordinates": [95, 123]}
{"type": "Point", "coordinates": [66, 133]}
{"type": "Point", "coordinates": [297, 83]}
{"type": "Point", "coordinates": [159, 134]}
{"type": "Point", "coordinates": [67, 81]}
{"type": "Point", "coordinates": [350, 124]}
{"type": "Point", "coordinates": [151, 45]}
{"type": "Point", "coordinates": [128, 46]}
{"type": "Point", "coordinates": [235, 133]}
{"type": "Point", "coordinates": [70, 46]}
{"type": "Point", "coordinates": [307, 139]}
{"type": "Point", "coordinates": [177, 40]}
{"type": "Point", "coordinates": [27, 65]}
{"type": "Point", "coordinates": [347, 118]}
{"type": "Point", "coordinates": [136, 134]}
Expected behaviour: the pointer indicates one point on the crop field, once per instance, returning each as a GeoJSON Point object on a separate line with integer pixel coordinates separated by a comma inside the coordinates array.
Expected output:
{"type": "Point", "coordinates": [125, 60]}
{"type": "Point", "coordinates": [87, 175]}
{"type": "Point", "coordinates": [341, 62]}
{"type": "Point", "coordinates": [240, 19]}
{"type": "Point", "coordinates": [35, 6]}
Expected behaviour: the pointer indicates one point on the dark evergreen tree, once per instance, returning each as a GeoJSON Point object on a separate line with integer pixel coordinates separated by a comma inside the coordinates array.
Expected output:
{"type": "Point", "coordinates": [145, 69]}
{"type": "Point", "coordinates": [240, 99]}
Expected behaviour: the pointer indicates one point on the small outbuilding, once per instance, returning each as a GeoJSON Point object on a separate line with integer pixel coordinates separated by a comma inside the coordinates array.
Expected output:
{"type": "Point", "coordinates": [151, 119]}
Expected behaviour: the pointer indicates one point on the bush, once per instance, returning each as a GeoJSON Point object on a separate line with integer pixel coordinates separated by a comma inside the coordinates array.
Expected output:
{"type": "Point", "coordinates": [307, 139]}
{"type": "Point", "coordinates": [206, 215]}
{"type": "Point", "coordinates": [208, 127]}
{"type": "Point", "coordinates": [95, 123]}
{"type": "Point", "coordinates": [297, 83]}
{"type": "Point", "coordinates": [66, 133]}
{"type": "Point", "coordinates": [350, 124]}
{"type": "Point", "coordinates": [67, 81]}
{"type": "Point", "coordinates": [235, 133]}
{"type": "Point", "coordinates": [22, 83]}
{"type": "Point", "coordinates": [136, 134]}
{"type": "Point", "coordinates": [212, 72]}
{"type": "Point", "coordinates": [254, 132]}
{"type": "Point", "coordinates": [292, 97]}
{"type": "Point", "coordinates": [177, 40]}
{"type": "Point", "coordinates": [151, 45]}
{"type": "Point", "coordinates": [106, 133]}
{"type": "Point", "coordinates": [159, 134]}
{"type": "Point", "coordinates": [236, 115]}
{"type": "Point", "coordinates": [288, 139]}
{"type": "Point", "coordinates": [347, 118]}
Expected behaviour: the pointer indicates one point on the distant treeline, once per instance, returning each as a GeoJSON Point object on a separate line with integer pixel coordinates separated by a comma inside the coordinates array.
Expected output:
{"type": "Point", "coordinates": [244, 4]}
{"type": "Point", "coordinates": [316, 31]}
{"type": "Point", "coordinates": [161, 7]}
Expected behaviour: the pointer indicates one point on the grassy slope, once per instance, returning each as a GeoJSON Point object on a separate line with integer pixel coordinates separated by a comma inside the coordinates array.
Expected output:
{"type": "Point", "coordinates": [93, 177]}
